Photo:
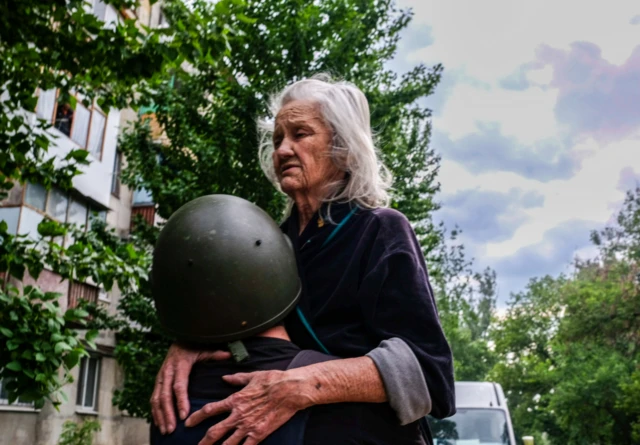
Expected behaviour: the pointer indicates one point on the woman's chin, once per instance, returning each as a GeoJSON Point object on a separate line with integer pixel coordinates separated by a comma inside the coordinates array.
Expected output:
{"type": "Point", "coordinates": [290, 186]}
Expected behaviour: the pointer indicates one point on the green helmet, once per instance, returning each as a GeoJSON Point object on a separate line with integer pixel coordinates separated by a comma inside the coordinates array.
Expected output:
{"type": "Point", "coordinates": [222, 271]}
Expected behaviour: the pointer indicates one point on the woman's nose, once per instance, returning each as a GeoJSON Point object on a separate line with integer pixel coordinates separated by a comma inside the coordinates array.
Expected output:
{"type": "Point", "coordinates": [285, 149]}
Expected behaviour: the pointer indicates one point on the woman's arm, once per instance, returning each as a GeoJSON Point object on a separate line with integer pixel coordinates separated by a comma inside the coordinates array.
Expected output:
{"type": "Point", "coordinates": [271, 398]}
{"type": "Point", "coordinates": [399, 308]}
{"type": "Point", "coordinates": [346, 380]}
{"type": "Point", "coordinates": [403, 379]}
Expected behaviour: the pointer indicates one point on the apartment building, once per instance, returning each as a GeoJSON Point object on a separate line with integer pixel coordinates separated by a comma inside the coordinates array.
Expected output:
{"type": "Point", "coordinates": [97, 191]}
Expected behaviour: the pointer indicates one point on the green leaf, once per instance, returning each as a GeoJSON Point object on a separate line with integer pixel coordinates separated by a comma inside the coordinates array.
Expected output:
{"type": "Point", "coordinates": [28, 354]}
{"type": "Point", "coordinates": [91, 335]}
{"type": "Point", "coordinates": [6, 332]}
{"type": "Point", "coordinates": [14, 366]}
{"type": "Point", "coordinates": [48, 227]}
{"type": "Point", "coordinates": [40, 357]}
{"type": "Point", "coordinates": [77, 155]}
{"type": "Point", "coordinates": [72, 358]}
{"type": "Point", "coordinates": [60, 347]}
{"type": "Point", "coordinates": [246, 19]}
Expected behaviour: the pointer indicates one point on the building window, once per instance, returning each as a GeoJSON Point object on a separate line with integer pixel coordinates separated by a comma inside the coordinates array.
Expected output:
{"type": "Point", "coordinates": [57, 204]}
{"type": "Point", "coordinates": [88, 384]}
{"type": "Point", "coordinates": [36, 196]}
{"type": "Point", "coordinates": [46, 104]}
{"type": "Point", "coordinates": [96, 134]}
{"type": "Point", "coordinates": [84, 126]}
{"type": "Point", "coordinates": [78, 213]}
{"type": "Point", "coordinates": [80, 130]}
{"type": "Point", "coordinates": [4, 396]}
{"type": "Point", "coordinates": [63, 119]}
{"type": "Point", "coordinates": [115, 179]}
{"type": "Point", "coordinates": [162, 20]}
{"type": "Point", "coordinates": [62, 207]}
{"type": "Point", "coordinates": [82, 291]}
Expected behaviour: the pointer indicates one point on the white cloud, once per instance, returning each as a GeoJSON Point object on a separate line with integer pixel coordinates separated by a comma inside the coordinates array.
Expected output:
{"type": "Point", "coordinates": [527, 115]}
{"type": "Point", "coordinates": [481, 44]}
{"type": "Point", "coordinates": [492, 38]}
{"type": "Point", "coordinates": [591, 195]}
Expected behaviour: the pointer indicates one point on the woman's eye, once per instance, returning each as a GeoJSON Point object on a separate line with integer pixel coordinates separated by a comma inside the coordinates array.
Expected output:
{"type": "Point", "coordinates": [300, 134]}
{"type": "Point", "coordinates": [277, 142]}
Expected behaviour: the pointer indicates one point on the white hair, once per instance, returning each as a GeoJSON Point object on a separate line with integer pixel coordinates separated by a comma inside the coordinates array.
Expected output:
{"type": "Point", "coordinates": [344, 108]}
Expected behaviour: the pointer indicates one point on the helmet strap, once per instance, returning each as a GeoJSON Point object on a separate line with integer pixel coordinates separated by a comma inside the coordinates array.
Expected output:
{"type": "Point", "coordinates": [238, 351]}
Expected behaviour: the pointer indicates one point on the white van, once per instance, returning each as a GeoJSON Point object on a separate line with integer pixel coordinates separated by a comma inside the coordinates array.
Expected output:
{"type": "Point", "coordinates": [482, 418]}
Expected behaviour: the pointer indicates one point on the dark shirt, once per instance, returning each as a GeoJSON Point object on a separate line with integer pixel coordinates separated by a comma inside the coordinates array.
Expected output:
{"type": "Point", "coordinates": [368, 284]}
{"type": "Point", "coordinates": [335, 424]}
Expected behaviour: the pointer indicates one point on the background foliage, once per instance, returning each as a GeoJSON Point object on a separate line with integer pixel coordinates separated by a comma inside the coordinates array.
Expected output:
{"type": "Point", "coordinates": [79, 434]}
{"type": "Point", "coordinates": [568, 348]}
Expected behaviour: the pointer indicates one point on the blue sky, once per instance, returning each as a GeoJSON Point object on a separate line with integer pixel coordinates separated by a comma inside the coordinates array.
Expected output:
{"type": "Point", "coordinates": [537, 120]}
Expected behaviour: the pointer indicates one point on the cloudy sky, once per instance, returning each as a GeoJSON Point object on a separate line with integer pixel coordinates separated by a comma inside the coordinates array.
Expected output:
{"type": "Point", "coordinates": [537, 120]}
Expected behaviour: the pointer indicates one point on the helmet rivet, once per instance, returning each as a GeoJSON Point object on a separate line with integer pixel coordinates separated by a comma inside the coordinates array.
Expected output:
{"type": "Point", "coordinates": [190, 262]}
{"type": "Point", "coordinates": [258, 242]}
{"type": "Point", "coordinates": [244, 323]}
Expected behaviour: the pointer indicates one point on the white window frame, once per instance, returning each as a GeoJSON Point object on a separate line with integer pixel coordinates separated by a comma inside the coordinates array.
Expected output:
{"type": "Point", "coordinates": [82, 384]}
{"type": "Point", "coordinates": [93, 109]}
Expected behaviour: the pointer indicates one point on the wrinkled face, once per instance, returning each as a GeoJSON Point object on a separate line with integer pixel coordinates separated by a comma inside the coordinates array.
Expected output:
{"type": "Point", "coordinates": [302, 144]}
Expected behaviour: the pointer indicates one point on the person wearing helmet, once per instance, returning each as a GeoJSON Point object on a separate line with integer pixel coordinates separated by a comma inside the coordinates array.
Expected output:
{"type": "Point", "coordinates": [365, 297]}
{"type": "Point", "coordinates": [341, 423]}
{"type": "Point", "coordinates": [232, 262]}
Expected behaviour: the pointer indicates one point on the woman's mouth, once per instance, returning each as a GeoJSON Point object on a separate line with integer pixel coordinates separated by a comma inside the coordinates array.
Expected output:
{"type": "Point", "coordinates": [287, 169]}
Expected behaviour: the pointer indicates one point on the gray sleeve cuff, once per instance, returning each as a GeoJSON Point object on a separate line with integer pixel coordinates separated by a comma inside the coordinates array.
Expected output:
{"type": "Point", "coordinates": [403, 379]}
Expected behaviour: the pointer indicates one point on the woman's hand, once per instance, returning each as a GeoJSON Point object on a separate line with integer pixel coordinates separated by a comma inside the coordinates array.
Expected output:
{"type": "Point", "coordinates": [267, 401]}
{"type": "Point", "coordinates": [174, 377]}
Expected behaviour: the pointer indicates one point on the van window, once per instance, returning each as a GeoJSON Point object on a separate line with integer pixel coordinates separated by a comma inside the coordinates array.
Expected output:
{"type": "Point", "coordinates": [471, 427]}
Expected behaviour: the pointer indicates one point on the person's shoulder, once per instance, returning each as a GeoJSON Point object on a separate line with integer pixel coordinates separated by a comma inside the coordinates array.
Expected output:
{"type": "Point", "coordinates": [390, 226]}
{"type": "Point", "coordinates": [389, 218]}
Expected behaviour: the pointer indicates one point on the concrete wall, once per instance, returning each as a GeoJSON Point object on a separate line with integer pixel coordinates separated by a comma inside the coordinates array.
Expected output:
{"type": "Point", "coordinates": [18, 427]}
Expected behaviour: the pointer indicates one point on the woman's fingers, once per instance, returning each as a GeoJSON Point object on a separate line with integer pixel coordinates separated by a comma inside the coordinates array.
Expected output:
{"type": "Point", "coordinates": [215, 355]}
{"type": "Point", "coordinates": [166, 399]}
{"type": "Point", "coordinates": [180, 386]}
{"type": "Point", "coordinates": [240, 378]}
{"type": "Point", "coordinates": [173, 379]}
{"type": "Point", "coordinates": [218, 431]}
{"type": "Point", "coordinates": [181, 379]}
{"type": "Point", "coordinates": [209, 410]}
{"type": "Point", "coordinates": [235, 439]}
{"type": "Point", "coordinates": [158, 419]}
{"type": "Point", "coordinates": [268, 400]}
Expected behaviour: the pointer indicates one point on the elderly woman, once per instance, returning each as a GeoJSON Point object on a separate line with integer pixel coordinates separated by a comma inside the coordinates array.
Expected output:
{"type": "Point", "coordinates": [366, 295]}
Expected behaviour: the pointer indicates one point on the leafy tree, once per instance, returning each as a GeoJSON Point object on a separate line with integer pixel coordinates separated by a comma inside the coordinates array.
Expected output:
{"type": "Point", "coordinates": [37, 338]}
{"type": "Point", "coordinates": [60, 44]}
{"type": "Point", "coordinates": [44, 45]}
{"type": "Point", "coordinates": [466, 303]}
{"type": "Point", "coordinates": [568, 346]}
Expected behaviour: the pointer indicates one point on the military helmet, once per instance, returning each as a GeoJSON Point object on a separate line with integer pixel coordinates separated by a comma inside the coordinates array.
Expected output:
{"type": "Point", "coordinates": [222, 271]}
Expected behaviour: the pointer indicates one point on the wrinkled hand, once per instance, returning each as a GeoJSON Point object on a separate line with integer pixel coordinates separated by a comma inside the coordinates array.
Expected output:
{"type": "Point", "coordinates": [174, 377]}
{"type": "Point", "coordinates": [269, 399]}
